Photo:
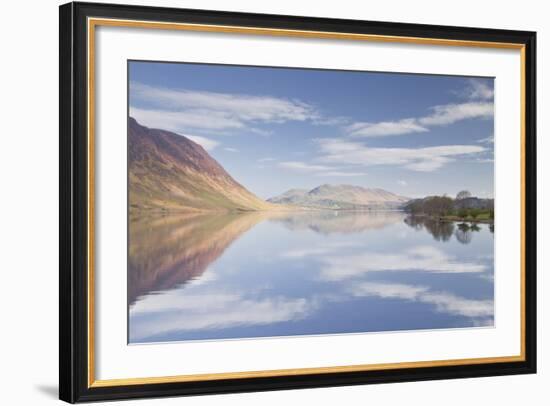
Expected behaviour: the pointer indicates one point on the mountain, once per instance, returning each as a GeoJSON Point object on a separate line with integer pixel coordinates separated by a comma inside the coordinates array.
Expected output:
{"type": "Point", "coordinates": [169, 172]}
{"type": "Point", "coordinates": [341, 197]}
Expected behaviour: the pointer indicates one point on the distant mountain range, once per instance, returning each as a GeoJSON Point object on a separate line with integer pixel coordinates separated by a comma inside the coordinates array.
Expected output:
{"type": "Point", "coordinates": [341, 197]}
{"type": "Point", "coordinates": [169, 172]}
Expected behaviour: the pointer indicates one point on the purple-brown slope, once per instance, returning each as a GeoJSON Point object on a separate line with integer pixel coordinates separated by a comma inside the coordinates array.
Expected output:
{"type": "Point", "coordinates": [169, 172]}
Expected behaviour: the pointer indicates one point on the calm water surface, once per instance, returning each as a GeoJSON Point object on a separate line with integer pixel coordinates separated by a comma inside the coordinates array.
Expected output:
{"type": "Point", "coordinates": [221, 276]}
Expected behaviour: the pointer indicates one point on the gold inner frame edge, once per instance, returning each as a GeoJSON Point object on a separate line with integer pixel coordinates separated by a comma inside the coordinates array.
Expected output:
{"type": "Point", "coordinates": [94, 22]}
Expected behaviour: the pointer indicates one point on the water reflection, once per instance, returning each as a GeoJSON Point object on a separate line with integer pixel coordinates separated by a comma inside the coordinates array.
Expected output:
{"type": "Point", "coordinates": [257, 274]}
{"type": "Point", "coordinates": [444, 230]}
{"type": "Point", "coordinates": [333, 221]}
{"type": "Point", "coordinates": [169, 250]}
{"type": "Point", "coordinates": [440, 230]}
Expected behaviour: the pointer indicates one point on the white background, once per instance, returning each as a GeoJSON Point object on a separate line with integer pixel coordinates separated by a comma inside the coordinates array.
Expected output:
{"type": "Point", "coordinates": [28, 204]}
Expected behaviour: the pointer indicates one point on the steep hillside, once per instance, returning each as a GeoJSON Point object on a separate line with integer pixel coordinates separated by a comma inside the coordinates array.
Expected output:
{"type": "Point", "coordinates": [169, 172]}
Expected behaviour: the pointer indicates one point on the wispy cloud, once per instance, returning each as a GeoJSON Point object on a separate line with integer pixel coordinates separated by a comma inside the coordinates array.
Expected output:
{"type": "Point", "coordinates": [182, 121]}
{"type": "Point", "coordinates": [485, 160]}
{"type": "Point", "coordinates": [444, 302]}
{"type": "Point", "coordinates": [384, 128]}
{"type": "Point", "coordinates": [319, 170]}
{"type": "Point", "coordinates": [487, 140]}
{"type": "Point", "coordinates": [209, 309]}
{"type": "Point", "coordinates": [229, 149]}
{"type": "Point", "coordinates": [322, 249]}
{"type": "Point", "coordinates": [185, 108]}
{"type": "Point", "coordinates": [421, 258]}
{"type": "Point", "coordinates": [441, 115]}
{"type": "Point", "coordinates": [389, 290]}
{"type": "Point", "coordinates": [342, 174]}
{"type": "Point", "coordinates": [266, 159]}
{"type": "Point", "coordinates": [351, 270]}
{"type": "Point", "coordinates": [331, 121]}
{"type": "Point", "coordinates": [303, 166]}
{"type": "Point", "coordinates": [426, 159]}
{"type": "Point", "coordinates": [477, 89]}
{"type": "Point", "coordinates": [451, 113]}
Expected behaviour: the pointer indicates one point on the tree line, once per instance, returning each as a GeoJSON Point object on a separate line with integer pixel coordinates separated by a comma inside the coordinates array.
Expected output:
{"type": "Point", "coordinates": [464, 206]}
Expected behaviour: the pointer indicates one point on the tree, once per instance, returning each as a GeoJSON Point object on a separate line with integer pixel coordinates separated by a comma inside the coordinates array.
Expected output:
{"type": "Point", "coordinates": [438, 205]}
{"type": "Point", "coordinates": [463, 194]}
{"type": "Point", "coordinates": [415, 206]}
{"type": "Point", "coordinates": [474, 213]}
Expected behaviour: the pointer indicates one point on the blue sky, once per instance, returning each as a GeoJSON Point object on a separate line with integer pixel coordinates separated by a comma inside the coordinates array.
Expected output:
{"type": "Point", "coordinates": [274, 129]}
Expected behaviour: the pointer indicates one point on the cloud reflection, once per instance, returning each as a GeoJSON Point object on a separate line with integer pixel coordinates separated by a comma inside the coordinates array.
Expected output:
{"type": "Point", "coordinates": [420, 258]}
{"type": "Point", "coordinates": [176, 311]}
{"type": "Point", "coordinates": [444, 302]}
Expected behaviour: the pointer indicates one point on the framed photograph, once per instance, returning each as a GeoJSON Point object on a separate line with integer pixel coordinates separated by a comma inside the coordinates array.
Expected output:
{"type": "Point", "coordinates": [257, 202]}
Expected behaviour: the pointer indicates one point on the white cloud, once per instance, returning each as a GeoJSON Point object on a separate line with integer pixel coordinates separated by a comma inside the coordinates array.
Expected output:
{"type": "Point", "coordinates": [303, 166]}
{"type": "Point", "coordinates": [444, 302]}
{"type": "Point", "coordinates": [338, 151]}
{"type": "Point", "coordinates": [229, 149]}
{"type": "Point", "coordinates": [331, 121]}
{"type": "Point", "coordinates": [487, 140]}
{"type": "Point", "coordinates": [384, 128]}
{"type": "Point", "coordinates": [429, 165]}
{"type": "Point", "coordinates": [451, 113]}
{"type": "Point", "coordinates": [318, 170]}
{"type": "Point", "coordinates": [402, 182]}
{"type": "Point", "coordinates": [266, 159]}
{"type": "Point", "coordinates": [449, 303]}
{"type": "Point", "coordinates": [389, 290]}
{"type": "Point", "coordinates": [184, 120]}
{"type": "Point", "coordinates": [180, 310]}
{"type": "Point", "coordinates": [204, 142]}
{"type": "Point", "coordinates": [440, 116]}
{"type": "Point", "coordinates": [478, 90]}
{"type": "Point", "coordinates": [341, 174]}
{"type": "Point", "coordinates": [182, 109]}
{"type": "Point", "coordinates": [321, 249]}
{"type": "Point", "coordinates": [418, 259]}
{"type": "Point", "coordinates": [307, 252]}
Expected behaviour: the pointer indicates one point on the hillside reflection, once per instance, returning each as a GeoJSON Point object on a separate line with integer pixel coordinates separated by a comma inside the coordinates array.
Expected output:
{"type": "Point", "coordinates": [169, 250]}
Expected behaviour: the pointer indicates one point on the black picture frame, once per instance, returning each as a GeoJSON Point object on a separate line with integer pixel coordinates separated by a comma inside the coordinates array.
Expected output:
{"type": "Point", "coordinates": [74, 199]}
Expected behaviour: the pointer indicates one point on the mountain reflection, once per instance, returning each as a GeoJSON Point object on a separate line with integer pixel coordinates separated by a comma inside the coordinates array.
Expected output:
{"type": "Point", "coordinates": [167, 251]}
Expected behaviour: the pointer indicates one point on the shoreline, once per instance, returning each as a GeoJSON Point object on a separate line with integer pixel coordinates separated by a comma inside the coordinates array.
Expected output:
{"type": "Point", "coordinates": [453, 219]}
{"type": "Point", "coordinates": [241, 210]}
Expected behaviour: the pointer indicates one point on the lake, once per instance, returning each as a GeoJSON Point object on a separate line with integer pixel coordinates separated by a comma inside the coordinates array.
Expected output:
{"type": "Point", "coordinates": [267, 274]}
